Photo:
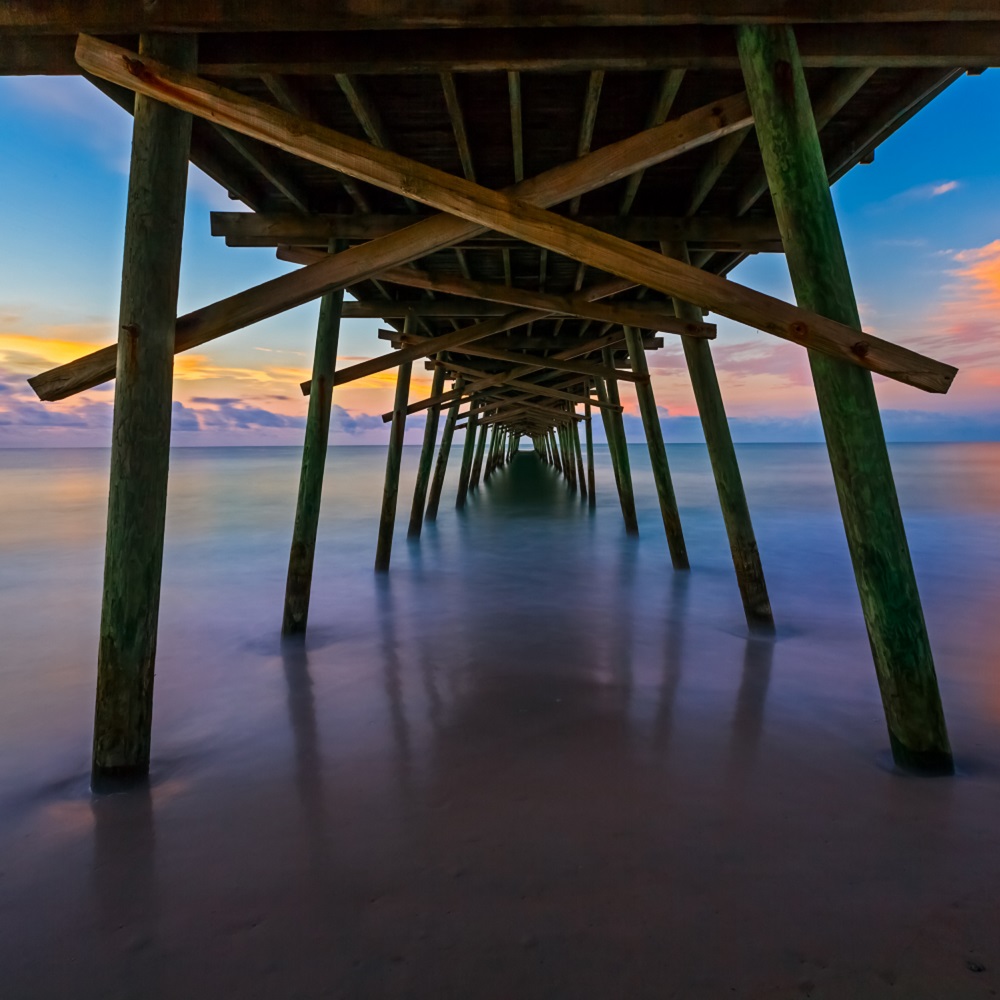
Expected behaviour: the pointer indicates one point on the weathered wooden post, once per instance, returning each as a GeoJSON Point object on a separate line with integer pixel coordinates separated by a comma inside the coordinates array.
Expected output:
{"type": "Point", "coordinates": [477, 465]}
{"type": "Point", "coordinates": [616, 424]}
{"type": "Point", "coordinates": [467, 456]}
{"type": "Point", "coordinates": [725, 468]}
{"type": "Point", "coordinates": [591, 476]}
{"type": "Point", "coordinates": [657, 451]}
{"type": "Point", "coordinates": [298, 584]}
{"type": "Point", "coordinates": [807, 221]}
{"type": "Point", "coordinates": [393, 458]}
{"type": "Point", "coordinates": [554, 445]}
{"type": "Point", "coordinates": [580, 475]}
{"type": "Point", "coordinates": [140, 442]}
{"type": "Point", "coordinates": [437, 484]}
{"type": "Point", "coordinates": [426, 454]}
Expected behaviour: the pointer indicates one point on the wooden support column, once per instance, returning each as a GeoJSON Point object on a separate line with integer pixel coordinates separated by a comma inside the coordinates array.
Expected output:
{"type": "Point", "coordinates": [725, 468]}
{"type": "Point", "coordinates": [477, 465]}
{"type": "Point", "coordinates": [437, 484]}
{"type": "Point", "coordinates": [580, 474]}
{"type": "Point", "coordinates": [467, 456]}
{"type": "Point", "coordinates": [657, 452]}
{"type": "Point", "coordinates": [140, 443]}
{"type": "Point", "coordinates": [426, 455]}
{"type": "Point", "coordinates": [554, 447]}
{"type": "Point", "coordinates": [591, 476]}
{"type": "Point", "coordinates": [617, 425]}
{"type": "Point", "coordinates": [816, 261]}
{"type": "Point", "coordinates": [394, 457]}
{"type": "Point", "coordinates": [317, 438]}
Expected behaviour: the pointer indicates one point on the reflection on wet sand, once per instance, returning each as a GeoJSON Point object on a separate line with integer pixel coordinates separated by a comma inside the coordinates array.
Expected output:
{"type": "Point", "coordinates": [531, 762]}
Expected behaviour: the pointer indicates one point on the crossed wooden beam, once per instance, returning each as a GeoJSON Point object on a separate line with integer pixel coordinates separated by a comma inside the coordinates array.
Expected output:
{"type": "Point", "coordinates": [519, 212]}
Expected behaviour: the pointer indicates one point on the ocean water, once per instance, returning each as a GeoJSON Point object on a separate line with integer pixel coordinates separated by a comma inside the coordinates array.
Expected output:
{"type": "Point", "coordinates": [530, 761]}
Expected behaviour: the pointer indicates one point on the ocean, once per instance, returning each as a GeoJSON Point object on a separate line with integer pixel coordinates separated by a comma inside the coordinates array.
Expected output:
{"type": "Point", "coordinates": [532, 760]}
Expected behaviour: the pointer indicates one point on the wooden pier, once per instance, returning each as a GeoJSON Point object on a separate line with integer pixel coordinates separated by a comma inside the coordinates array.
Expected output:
{"type": "Point", "coordinates": [531, 196]}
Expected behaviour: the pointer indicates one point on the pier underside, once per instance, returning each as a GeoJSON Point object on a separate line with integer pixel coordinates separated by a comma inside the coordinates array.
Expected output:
{"type": "Point", "coordinates": [531, 205]}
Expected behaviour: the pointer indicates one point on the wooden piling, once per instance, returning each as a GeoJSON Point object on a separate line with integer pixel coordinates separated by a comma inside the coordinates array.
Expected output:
{"type": "Point", "coordinates": [437, 483]}
{"type": "Point", "coordinates": [467, 457]}
{"type": "Point", "coordinates": [393, 459]}
{"type": "Point", "coordinates": [477, 465]}
{"type": "Point", "coordinates": [140, 443]}
{"type": "Point", "coordinates": [580, 474]}
{"type": "Point", "coordinates": [617, 424]}
{"type": "Point", "coordinates": [426, 456]}
{"type": "Point", "coordinates": [657, 451]}
{"type": "Point", "coordinates": [855, 440]}
{"type": "Point", "coordinates": [725, 467]}
{"type": "Point", "coordinates": [298, 584]}
{"type": "Point", "coordinates": [591, 475]}
{"type": "Point", "coordinates": [554, 445]}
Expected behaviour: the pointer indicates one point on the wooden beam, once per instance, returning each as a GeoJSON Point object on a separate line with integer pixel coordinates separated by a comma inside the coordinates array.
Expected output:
{"type": "Point", "coordinates": [572, 352]}
{"type": "Point", "coordinates": [876, 537]}
{"type": "Point", "coordinates": [255, 229]}
{"type": "Point", "coordinates": [647, 317]}
{"type": "Point", "coordinates": [579, 367]}
{"type": "Point", "coordinates": [945, 44]}
{"type": "Point", "coordinates": [516, 126]}
{"type": "Point", "coordinates": [291, 95]}
{"type": "Point", "coordinates": [129, 17]}
{"type": "Point", "coordinates": [514, 216]}
{"type": "Point", "coordinates": [595, 83]}
{"type": "Point", "coordinates": [458, 125]}
{"type": "Point", "coordinates": [670, 83]}
{"type": "Point", "coordinates": [359, 263]}
{"type": "Point", "coordinates": [424, 309]}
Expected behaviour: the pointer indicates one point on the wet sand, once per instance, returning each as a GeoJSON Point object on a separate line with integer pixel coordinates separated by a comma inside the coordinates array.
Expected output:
{"type": "Point", "coordinates": [531, 762]}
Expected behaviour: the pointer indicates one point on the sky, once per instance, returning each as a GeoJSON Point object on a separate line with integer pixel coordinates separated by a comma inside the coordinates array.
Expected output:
{"type": "Point", "coordinates": [921, 226]}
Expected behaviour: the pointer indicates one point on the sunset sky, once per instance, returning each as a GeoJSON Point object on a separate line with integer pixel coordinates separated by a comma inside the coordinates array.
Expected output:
{"type": "Point", "coordinates": [921, 226]}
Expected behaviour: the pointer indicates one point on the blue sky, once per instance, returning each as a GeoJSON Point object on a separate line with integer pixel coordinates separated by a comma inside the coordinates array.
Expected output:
{"type": "Point", "coordinates": [921, 226]}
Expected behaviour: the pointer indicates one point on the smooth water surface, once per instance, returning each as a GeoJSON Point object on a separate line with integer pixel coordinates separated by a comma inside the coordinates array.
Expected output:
{"type": "Point", "coordinates": [532, 761]}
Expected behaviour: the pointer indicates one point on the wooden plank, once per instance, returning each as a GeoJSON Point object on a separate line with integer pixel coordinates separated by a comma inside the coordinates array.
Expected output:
{"type": "Point", "coordinates": [140, 436]}
{"type": "Point", "coordinates": [820, 276]}
{"type": "Point", "coordinates": [129, 17]}
{"type": "Point", "coordinates": [514, 216]}
{"type": "Point", "coordinates": [945, 44]}
{"type": "Point", "coordinates": [281, 229]}
{"type": "Point", "coordinates": [359, 263]}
